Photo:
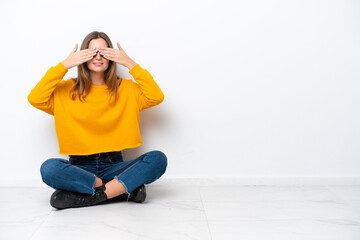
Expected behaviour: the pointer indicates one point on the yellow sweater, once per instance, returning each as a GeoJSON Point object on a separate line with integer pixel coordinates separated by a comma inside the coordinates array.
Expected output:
{"type": "Point", "coordinates": [95, 126]}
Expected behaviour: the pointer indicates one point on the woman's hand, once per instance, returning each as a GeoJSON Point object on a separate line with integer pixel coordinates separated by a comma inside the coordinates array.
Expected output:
{"type": "Point", "coordinates": [118, 56]}
{"type": "Point", "coordinates": [77, 58]}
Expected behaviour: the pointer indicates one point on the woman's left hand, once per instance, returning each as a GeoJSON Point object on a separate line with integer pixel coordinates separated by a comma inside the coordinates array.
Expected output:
{"type": "Point", "coordinates": [117, 55]}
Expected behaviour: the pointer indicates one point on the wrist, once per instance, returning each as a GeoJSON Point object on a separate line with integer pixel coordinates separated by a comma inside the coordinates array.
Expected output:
{"type": "Point", "coordinates": [66, 64]}
{"type": "Point", "coordinates": [130, 64]}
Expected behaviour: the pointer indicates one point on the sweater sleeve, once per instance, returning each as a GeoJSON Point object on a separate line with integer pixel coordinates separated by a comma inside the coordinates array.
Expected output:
{"type": "Point", "coordinates": [42, 95]}
{"type": "Point", "coordinates": [147, 91]}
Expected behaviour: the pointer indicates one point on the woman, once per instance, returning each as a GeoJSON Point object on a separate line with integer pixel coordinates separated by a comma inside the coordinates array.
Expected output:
{"type": "Point", "coordinates": [97, 116]}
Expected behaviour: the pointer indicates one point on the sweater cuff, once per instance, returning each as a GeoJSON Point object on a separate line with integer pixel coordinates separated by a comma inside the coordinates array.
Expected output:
{"type": "Point", "coordinates": [136, 70]}
{"type": "Point", "coordinates": [61, 69]}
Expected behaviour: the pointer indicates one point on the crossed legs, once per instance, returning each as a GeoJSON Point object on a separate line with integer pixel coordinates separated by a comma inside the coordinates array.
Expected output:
{"type": "Point", "coordinates": [60, 174]}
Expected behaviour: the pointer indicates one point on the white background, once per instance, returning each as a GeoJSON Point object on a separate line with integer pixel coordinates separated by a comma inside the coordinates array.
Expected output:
{"type": "Point", "coordinates": [253, 89]}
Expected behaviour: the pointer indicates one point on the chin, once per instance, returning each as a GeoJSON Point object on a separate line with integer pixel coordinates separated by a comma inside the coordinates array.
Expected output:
{"type": "Point", "coordinates": [98, 70]}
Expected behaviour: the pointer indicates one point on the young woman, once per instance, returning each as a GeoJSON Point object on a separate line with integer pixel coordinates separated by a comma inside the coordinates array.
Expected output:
{"type": "Point", "coordinates": [97, 116]}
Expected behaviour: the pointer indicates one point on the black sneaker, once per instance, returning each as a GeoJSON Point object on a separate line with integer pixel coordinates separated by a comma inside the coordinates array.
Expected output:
{"type": "Point", "coordinates": [138, 195]}
{"type": "Point", "coordinates": [61, 199]}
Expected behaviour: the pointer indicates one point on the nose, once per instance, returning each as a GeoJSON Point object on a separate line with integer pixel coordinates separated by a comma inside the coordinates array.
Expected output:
{"type": "Point", "coordinates": [98, 54]}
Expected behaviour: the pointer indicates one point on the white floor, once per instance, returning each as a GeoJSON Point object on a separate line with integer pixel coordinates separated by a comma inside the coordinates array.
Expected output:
{"type": "Point", "coordinates": [190, 212]}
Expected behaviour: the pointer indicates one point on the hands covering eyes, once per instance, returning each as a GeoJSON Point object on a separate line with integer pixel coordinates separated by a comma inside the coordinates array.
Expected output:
{"type": "Point", "coordinates": [116, 55]}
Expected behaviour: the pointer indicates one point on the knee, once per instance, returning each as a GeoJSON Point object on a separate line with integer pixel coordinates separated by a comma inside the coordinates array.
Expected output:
{"type": "Point", "coordinates": [49, 168]}
{"type": "Point", "coordinates": [159, 159]}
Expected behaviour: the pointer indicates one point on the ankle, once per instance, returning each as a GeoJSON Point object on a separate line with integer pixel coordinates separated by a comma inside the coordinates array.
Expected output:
{"type": "Point", "coordinates": [99, 182]}
{"type": "Point", "coordinates": [114, 188]}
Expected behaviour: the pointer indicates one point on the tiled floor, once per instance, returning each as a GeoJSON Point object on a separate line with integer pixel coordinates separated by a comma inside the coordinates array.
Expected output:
{"type": "Point", "coordinates": [190, 212]}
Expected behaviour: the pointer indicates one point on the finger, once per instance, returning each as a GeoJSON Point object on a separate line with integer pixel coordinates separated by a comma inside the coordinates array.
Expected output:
{"type": "Point", "coordinates": [86, 59]}
{"type": "Point", "coordinates": [75, 48]}
{"type": "Point", "coordinates": [88, 55]}
{"type": "Point", "coordinates": [108, 51]}
{"type": "Point", "coordinates": [88, 52]}
{"type": "Point", "coordinates": [104, 52]}
{"type": "Point", "coordinates": [111, 58]}
{"type": "Point", "coordinates": [118, 44]}
{"type": "Point", "coordinates": [108, 54]}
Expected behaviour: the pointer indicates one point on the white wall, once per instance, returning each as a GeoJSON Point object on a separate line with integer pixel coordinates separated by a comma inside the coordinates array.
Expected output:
{"type": "Point", "coordinates": [252, 88]}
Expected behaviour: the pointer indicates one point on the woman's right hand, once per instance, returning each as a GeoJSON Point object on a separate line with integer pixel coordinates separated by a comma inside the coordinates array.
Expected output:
{"type": "Point", "coordinates": [76, 58]}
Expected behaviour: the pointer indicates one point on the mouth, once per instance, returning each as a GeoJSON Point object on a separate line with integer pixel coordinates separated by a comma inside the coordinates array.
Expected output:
{"type": "Point", "coordinates": [98, 64]}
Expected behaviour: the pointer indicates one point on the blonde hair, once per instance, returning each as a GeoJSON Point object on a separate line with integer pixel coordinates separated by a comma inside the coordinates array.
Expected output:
{"type": "Point", "coordinates": [83, 82]}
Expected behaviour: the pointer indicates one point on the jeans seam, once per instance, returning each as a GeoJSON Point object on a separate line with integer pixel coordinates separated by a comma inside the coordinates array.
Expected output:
{"type": "Point", "coordinates": [132, 166]}
{"type": "Point", "coordinates": [117, 178]}
{"type": "Point", "coordinates": [118, 169]}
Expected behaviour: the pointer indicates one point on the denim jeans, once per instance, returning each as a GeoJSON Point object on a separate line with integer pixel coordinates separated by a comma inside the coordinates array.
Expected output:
{"type": "Point", "coordinates": [75, 176]}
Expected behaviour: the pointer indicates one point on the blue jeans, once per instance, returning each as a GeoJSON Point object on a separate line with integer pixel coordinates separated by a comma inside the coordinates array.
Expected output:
{"type": "Point", "coordinates": [75, 176]}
